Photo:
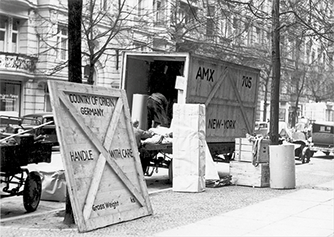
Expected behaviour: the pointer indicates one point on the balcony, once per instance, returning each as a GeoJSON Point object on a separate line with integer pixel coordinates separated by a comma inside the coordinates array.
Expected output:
{"type": "Point", "coordinates": [11, 62]}
{"type": "Point", "coordinates": [26, 4]}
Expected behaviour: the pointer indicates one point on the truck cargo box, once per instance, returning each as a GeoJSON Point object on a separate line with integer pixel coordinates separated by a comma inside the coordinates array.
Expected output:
{"type": "Point", "coordinates": [229, 91]}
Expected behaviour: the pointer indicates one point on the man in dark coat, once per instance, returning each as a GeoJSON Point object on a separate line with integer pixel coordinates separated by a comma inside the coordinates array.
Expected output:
{"type": "Point", "coordinates": [157, 110]}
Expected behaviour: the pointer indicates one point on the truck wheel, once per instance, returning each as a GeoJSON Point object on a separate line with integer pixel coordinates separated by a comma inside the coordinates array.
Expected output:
{"type": "Point", "coordinates": [32, 191]}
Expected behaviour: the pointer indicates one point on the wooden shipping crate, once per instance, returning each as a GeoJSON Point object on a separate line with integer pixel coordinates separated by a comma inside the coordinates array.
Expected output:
{"type": "Point", "coordinates": [244, 150]}
{"type": "Point", "coordinates": [100, 155]}
{"type": "Point", "coordinates": [245, 173]}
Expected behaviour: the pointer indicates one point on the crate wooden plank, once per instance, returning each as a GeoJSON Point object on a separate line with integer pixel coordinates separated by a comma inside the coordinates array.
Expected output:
{"type": "Point", "coordinates": [100, 155]}
{"type": "Point", "coordinates": [244, 150]}
{"type": "Point", "coordinates": [245, 173]}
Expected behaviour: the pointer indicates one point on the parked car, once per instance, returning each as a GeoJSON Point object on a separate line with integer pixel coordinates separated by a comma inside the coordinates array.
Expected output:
{"type": "Point", "coordinates": [261, 128]}
{"type": "Point", "coordinates": [6, 119]}
{"type": "Point", "coordinates": [323, 137]}
{"type": "Point", "coordinates": [32, 122]}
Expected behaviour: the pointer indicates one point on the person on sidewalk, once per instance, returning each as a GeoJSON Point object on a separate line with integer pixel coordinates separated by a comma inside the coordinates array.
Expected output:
{"type": "Point", "coordinates": [142, 135]}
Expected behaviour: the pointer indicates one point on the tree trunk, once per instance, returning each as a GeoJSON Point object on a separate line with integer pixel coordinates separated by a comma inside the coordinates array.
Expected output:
{"type": "Point", "coordinates": [275, 86]}
{"type": "Point", "coordinates": [74, 40]}
{"type": "Point", "coordinates": [264, 119]}
{"type": "Point", "coordinates": [74, 69]}
{"type": "Point", "coordinates": [90, 79]}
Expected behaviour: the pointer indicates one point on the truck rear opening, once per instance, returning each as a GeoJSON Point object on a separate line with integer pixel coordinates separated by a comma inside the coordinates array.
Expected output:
{"type": "Point", "coordinates": [229, 91]}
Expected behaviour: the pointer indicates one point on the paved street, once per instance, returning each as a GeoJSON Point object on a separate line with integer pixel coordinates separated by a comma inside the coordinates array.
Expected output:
{"type": "Point", "coordinates": [225, 211]}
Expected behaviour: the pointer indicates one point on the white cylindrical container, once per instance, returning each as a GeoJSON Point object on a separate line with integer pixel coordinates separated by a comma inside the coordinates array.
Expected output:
{"type": "Point", "coordinates": [139, 110]}
{"type": "Point", "coordinates": [282, 166]}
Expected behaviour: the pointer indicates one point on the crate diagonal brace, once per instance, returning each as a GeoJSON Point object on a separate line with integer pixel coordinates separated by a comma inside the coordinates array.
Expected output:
{"type": "Point", "coordinates": [235, 89]}
{"type": "Point", "coordinates": [104, 153]}
{"type": "Point", "coordinates": [99, 167]}
{"type": "Point", "coordinates": [222, 78]}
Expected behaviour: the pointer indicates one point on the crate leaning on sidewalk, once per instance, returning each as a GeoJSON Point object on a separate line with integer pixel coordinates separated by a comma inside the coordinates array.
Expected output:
{"type": "Point", "coordinates": [251, 162]}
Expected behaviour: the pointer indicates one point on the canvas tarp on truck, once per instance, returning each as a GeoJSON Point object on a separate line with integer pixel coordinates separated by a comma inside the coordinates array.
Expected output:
{"type": "Point", "coordinates": [229, 91]}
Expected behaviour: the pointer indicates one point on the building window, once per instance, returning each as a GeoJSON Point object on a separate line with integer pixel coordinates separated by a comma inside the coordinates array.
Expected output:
{"type": "Point", "coordinates": [159, 12]}
{"type": "Point", "coordinates": [47, 100]}
{"type": "Point", "coordinates": [2, 34]}
{"type": "Point", "coordinates": [255, 35]}
{"type": "Point", "coordinates": [10, 98]}
{"type": "Point", "coordinates": [259, 35]}
{"type": "Point", "coordinates": [282, 114]}
{"type": "Point", "coordinates": [104, 5]}
{"type": "Point", "coordinates": [15, 35]}
{"type": "Point", "coordinates": [210, 21]}
{"type": "Point", "coordinates": [226, 27]}
{"type": "Point", "coordinates": [9, 34]}
{"type": "Point", "coordinates": [186, 14]}
{"type": "Point", "coordinates": [62, 43]}
{"type": "Point", "coordinates": [140, 8]}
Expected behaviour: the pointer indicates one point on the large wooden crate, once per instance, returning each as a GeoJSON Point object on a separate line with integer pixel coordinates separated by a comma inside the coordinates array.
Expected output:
{"type": "Point", "coordinates": [99, 151]}
{"type": "Point", "coordinates": [244, 150]}
{"type": "Point", "coordinates": [245, 173]}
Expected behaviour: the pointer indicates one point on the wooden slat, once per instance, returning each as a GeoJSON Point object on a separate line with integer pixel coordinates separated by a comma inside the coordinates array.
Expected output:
{"type": "Point", "coordinates": [244, 115]}
{"type": "Point", "coordinates": [99, 135]}
{"type": "Point", "coordinates": [76, 116]}
{"type": "Point", "coordinates": [222, 78]}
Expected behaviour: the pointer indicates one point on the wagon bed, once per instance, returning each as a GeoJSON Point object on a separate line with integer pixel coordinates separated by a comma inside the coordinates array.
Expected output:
{"type": "Point", "coordinates": [160, 157]}
{"type": "Point", "coordinates": [17, 152]}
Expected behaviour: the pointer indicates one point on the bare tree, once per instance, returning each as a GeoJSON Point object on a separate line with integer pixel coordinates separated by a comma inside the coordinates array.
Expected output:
{"type": "Point", "coordinates": [107, 26]}
{"type": "Point", "coordinates": [74, 40]}
{"type": "Point", "coordinates": [312, 18]}
{"type": "Point", "coordinates": [185, 27]}
{"type": "Point", "coordinates": [305, 23]}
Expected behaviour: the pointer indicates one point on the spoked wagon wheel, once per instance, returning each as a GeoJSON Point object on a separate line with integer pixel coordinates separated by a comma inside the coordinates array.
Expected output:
{"type": "Point", "coordinates": [32, 191]}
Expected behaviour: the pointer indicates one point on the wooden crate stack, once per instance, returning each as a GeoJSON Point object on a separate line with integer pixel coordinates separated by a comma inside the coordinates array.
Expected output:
{"type": "Point", "coordinates": [248, 169]}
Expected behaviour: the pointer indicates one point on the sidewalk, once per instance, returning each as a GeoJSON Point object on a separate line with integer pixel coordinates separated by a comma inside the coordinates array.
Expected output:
{"type": "Point", "coordinates": [231, 210]}
{"type": "Point", "coordinates": [306, 212]}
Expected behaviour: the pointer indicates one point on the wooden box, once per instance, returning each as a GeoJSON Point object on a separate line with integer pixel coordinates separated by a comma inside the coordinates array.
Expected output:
{"type": "Point", "coordinates": [245, 173]}
{"type": "Point", "coordinates": [104, 176]}
{"type": "Point", "coordinates": [244, 150]}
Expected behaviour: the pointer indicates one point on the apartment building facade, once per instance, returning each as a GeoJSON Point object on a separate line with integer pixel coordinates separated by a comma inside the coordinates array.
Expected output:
{"type": "Point", "coordinates": [33, 50]}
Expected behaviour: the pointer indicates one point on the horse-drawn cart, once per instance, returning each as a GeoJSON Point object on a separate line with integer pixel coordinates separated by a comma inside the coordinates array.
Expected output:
{"type": "Point", "coordinates": [16, 153]}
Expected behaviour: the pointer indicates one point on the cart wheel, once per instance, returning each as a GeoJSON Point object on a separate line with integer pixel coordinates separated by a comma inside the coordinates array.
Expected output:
{"type": "Point", "coordinates": [32, 191]}
{"type": "Point", "coordinates": [170, 172]}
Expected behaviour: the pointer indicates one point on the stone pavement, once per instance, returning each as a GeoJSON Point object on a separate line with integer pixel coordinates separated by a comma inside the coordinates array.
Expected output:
{"type": "Point", "coordinates": [306, 212]}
